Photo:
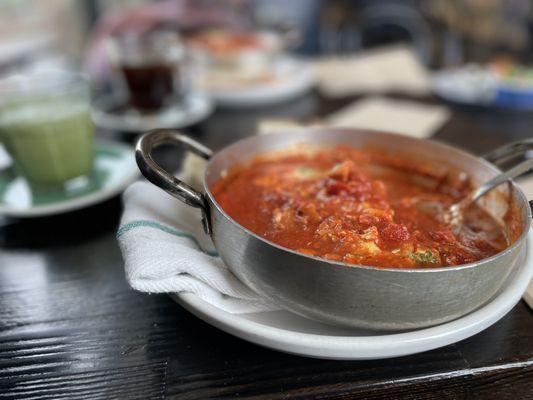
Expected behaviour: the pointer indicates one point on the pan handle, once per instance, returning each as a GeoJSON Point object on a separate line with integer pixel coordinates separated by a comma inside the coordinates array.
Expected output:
{"type": "Point", "coordinates": [508, 152]}
{"type": "Point", "coordinates": [166, 181]}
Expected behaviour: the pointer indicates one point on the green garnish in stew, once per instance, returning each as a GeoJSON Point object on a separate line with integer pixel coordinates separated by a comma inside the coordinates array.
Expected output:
{"type": "Point", "coordinates": [425, 258]}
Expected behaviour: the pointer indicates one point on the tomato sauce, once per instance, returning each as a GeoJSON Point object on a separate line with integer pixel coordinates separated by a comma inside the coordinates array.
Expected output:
{"type": "Point", "coordinates": [228, 42]}
{"type": "Point", "coordinates": [359, 207]}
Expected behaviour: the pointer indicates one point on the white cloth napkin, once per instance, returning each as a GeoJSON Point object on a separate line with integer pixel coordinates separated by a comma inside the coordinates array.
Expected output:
{"type": "Point", "coordinates": [166, 251]}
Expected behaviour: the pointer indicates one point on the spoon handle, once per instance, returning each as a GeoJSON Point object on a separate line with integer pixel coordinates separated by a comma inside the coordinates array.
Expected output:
{"type": "Point", "coordinates": [514, 172]}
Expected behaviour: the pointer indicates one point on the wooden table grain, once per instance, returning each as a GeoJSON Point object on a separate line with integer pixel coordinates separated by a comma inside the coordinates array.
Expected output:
{"type": "Point", "coordinates": [71, 328]}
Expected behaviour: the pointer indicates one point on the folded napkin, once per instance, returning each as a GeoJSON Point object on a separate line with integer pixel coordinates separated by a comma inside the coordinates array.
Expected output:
{"type": "Point", "coordinates": [166, 251]}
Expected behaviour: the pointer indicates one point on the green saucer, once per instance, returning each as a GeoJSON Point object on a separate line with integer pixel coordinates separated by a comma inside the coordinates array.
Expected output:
{"type": "Point", "coordinates": [114, 169]}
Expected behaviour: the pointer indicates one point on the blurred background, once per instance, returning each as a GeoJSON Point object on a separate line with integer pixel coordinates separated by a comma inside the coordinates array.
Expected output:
{"type": "Point", "coordinates": [443, 32]}
{"type": "Point", "coordinates": [495, 35]}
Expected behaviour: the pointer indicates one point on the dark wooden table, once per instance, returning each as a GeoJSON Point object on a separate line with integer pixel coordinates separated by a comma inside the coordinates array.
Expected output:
{"type": "Point", "coordinates": [70, 327]}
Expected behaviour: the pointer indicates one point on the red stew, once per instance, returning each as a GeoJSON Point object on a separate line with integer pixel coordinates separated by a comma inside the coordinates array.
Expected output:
{"type": "Point", "coordinates": [358, 207]}
{"type": "Point", "coordinates": [228, 42]}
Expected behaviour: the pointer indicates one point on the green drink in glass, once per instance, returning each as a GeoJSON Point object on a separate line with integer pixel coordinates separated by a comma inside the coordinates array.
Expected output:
{"type": "Point", "coordinates": [46, 128]}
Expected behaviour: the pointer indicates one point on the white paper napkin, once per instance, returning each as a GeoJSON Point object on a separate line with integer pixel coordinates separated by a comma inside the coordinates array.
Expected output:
{"type": "Point", "coordinates": [401, 116]}
{"type": "Point", "coordinates": [394, 68]}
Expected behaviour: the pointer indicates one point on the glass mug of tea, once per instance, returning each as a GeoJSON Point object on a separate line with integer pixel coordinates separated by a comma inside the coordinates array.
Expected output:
{"type": "Point", "coordinates": [153, 68]}
{"type": "Point", "coordinates": [46, 127]}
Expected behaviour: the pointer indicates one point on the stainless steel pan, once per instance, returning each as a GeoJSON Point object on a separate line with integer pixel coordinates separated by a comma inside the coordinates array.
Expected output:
{"type": "Point", "coordinates": [333, 292]}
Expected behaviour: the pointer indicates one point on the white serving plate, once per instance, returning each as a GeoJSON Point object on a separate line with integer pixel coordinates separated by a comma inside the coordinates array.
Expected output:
{"type": "Point", "coordinates": [290, 333]}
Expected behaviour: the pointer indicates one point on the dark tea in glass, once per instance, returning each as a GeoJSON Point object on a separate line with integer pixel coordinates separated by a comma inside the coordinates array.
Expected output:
{"type": "Point", "coordinates": [149, 85]}
{"type": "Point", "coordinates": [152, 68]}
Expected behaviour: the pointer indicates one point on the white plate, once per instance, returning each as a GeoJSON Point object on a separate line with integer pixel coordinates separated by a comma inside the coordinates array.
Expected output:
{"type": "Point", "coordinates": [287, 332]}
{"type": "Point", "coordinates": [195, 108]}
{"type": "Point", "coordinates": [114, 169]}
{"type": "Point", "coordinates": [295, 78]}
{"type": "Point", "coordinates": [470, 85]}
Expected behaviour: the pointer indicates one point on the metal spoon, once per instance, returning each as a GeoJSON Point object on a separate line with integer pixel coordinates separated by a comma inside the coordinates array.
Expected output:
{"type": "Point", "coordinates": [455, 214]}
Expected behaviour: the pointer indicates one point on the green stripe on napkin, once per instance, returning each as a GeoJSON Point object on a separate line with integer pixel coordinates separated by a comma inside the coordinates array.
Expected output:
{"type": "Point", "coordinates": [153, 224]}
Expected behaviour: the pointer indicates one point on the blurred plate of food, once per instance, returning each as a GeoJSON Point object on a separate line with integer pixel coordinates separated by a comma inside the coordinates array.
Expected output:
{"type": "Point", "coordinates": [501, 85]}
{"type": "Point", "coordinates": [244, 69]}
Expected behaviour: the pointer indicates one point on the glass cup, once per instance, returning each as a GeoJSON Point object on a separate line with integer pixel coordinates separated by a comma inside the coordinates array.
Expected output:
{"type": "Point", "coordinates": [46, 127]}
{"type": "Point", "coordinates": [153, 67]}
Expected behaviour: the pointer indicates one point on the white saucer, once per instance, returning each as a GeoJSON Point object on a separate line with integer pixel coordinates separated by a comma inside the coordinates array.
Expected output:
{"type": "Point", "coordinates": [287, 332]}
{"type": "Point", "coordinates": [194, 109]}
{"type": "Point", "coordinates": [295, 77]}
{"type": "Point", "coordinates": [114, 170]}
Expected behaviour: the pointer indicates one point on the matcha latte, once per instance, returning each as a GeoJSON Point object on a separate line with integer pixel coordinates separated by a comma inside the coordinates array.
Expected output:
{"type": "Point", "coordinates": [49, 135]}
